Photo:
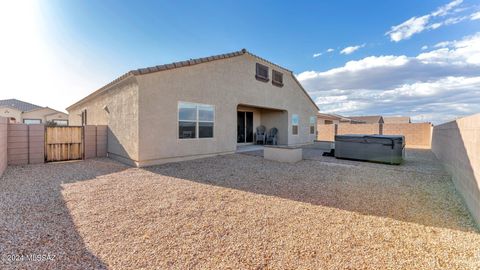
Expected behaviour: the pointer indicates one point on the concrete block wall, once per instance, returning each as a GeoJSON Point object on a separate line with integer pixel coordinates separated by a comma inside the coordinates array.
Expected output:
{"type": "Point", "coordinates": [417, 135]}
{"type": "Point", "coordinates": [25, 144]}
{"type": "Point", "coordinates": [457, 145]}
{"type": "Point", "coordinates": [358, 129]}
{"type": "Point", "coordinates": [3, 144]}
{"type": "Point", "coordinates": [326, 132]}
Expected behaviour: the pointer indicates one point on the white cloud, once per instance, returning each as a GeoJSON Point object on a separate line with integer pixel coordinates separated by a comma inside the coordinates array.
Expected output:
{"type": "Point", "coordinates": [442, 44]}
{"type": "Point", "coordinates": [435, 25]}
{"type": "Point", "coordinates": [435, 85]}
{"type": "Point", "coordinates": [475, 16]}
{"type": "Point", "coordinates": [315, 55]}
{"type": "Point", "coordinates": [406, 29]}
{"type": "Point", "coordinates": [419, 24]}
{"type": "Point", "coordinates": [424, 47]}
{"type": "Point", "coordinates": [465, 51]}
{"type": "Point", "coordinates": [351, 49]}
{"type": "Point", "coordinates": [455, 20]}
{"type": "Point", "coordinates": [443, 10]}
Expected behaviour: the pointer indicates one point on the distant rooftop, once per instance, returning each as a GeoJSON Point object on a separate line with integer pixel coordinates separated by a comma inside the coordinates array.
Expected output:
{"type": "Point", "coordinates": [19, 105]}
{"type": "Point", "coordinates": [341, 118]}
{"type": "Point", "coordinates": [369, 119]}
{"type": "Point", "coordinates": [396, 119]}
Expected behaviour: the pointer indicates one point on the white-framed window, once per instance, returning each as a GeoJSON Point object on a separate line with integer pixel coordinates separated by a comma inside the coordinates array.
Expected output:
{"type": "Point", "coordinates": [295, 121]}
{"type": "Point", "coordinates": [195, 120]}
{"type": "Point", "coordinates": [32, 121]}
{"type": "Point", "coordinates": [60, 122]}
{"type": "Point", "coordinates": [312, 124]}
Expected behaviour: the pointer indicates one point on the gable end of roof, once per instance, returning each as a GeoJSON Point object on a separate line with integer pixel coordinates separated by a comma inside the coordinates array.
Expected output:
{"type": "Point", "coordinates": [190, 62]}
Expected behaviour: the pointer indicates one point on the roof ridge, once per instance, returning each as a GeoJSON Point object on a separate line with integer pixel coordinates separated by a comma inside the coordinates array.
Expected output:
{"type": "Point", "coordinates": [195, 61]}
{"type": "Point", "coordinates": [184, 63]}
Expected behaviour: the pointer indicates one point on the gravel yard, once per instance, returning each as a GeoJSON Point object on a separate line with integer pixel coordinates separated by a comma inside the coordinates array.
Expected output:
{"type": "Point", "coordinates": [237, 211]}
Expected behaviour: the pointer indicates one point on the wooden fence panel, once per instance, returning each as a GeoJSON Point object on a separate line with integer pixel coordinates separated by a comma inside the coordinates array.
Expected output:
{"type": "Point", "coordinates": [63, 143]}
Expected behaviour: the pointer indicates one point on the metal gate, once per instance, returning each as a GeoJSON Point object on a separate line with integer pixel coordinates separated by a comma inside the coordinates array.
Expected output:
{"type": "Point", "coordinates": [63, 143]}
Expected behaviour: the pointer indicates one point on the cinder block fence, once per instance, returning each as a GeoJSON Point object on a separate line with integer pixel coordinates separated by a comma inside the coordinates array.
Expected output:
{"type": "Point", "coordinates": [457, 145]}
{"type": "Point", "coordinates": [417, 135]}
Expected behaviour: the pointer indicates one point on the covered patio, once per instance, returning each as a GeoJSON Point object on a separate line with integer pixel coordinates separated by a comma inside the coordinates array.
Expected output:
{"type": "Point", "coordinates": [250, 117]}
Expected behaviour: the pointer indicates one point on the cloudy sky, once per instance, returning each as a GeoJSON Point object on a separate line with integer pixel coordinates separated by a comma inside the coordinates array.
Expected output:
{"type": "Point", "coordinates": [438, 82]}
{"type": "Point", "coordinates": [415, 58]}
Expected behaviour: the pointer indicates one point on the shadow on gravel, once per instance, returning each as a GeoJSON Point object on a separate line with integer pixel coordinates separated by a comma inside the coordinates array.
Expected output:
{"type": "Point", "coordinates": [418, 191]}
{"type": "Point", "coordinates": [34, 219]}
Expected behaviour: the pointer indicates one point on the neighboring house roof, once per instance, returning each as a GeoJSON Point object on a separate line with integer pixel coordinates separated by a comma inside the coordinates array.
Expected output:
{"type": "Point", "coordinates": [53, 111]}
{"type": "Point", "coordinates": [329, 116]}
{"type": "Point", "coordinates": [338, 117]}
{"type": "Point", "coordinates": [396, 119]}
{"type": "Point", "coordinates": [19, 105]}
{"type": "Point", "coordinates": [371, 119]}
{"type": "Point", "coordinates": [191, 62]}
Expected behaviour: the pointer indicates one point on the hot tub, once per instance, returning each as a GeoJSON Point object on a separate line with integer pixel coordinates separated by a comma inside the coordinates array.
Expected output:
{"type": "Point", "coordinates": [376, 148]}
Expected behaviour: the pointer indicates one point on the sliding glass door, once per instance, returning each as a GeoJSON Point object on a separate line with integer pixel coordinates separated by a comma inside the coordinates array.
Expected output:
{"type": "Point", "coordinates": [244, 127]}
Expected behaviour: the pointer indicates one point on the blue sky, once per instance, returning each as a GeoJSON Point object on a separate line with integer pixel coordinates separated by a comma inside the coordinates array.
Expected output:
{"type": "Point", "coordinates": [78, 46]}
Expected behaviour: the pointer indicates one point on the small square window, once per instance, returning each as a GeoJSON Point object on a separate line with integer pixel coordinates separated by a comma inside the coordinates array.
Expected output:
{"type": "Point", "coordinates": [277, 78]}
{"type": "Point", "coordinates": [262, 73]}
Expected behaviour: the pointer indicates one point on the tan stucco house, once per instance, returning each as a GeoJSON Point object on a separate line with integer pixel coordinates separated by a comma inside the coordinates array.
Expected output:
{"type": "Point", "coordinates": [17, 111]}
{"type": "Point", "coordinates": [198, 108]}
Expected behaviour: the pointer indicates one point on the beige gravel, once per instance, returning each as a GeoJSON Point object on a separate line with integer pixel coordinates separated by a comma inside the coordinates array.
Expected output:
{"type": "Point", "coordinates": [237, 211]}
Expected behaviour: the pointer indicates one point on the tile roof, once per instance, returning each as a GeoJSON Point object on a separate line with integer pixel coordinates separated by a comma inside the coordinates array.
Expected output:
{"type": "Point", "coordinates": [190, 62]}
{"type": "Point", "coordinates": [19, 105]}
